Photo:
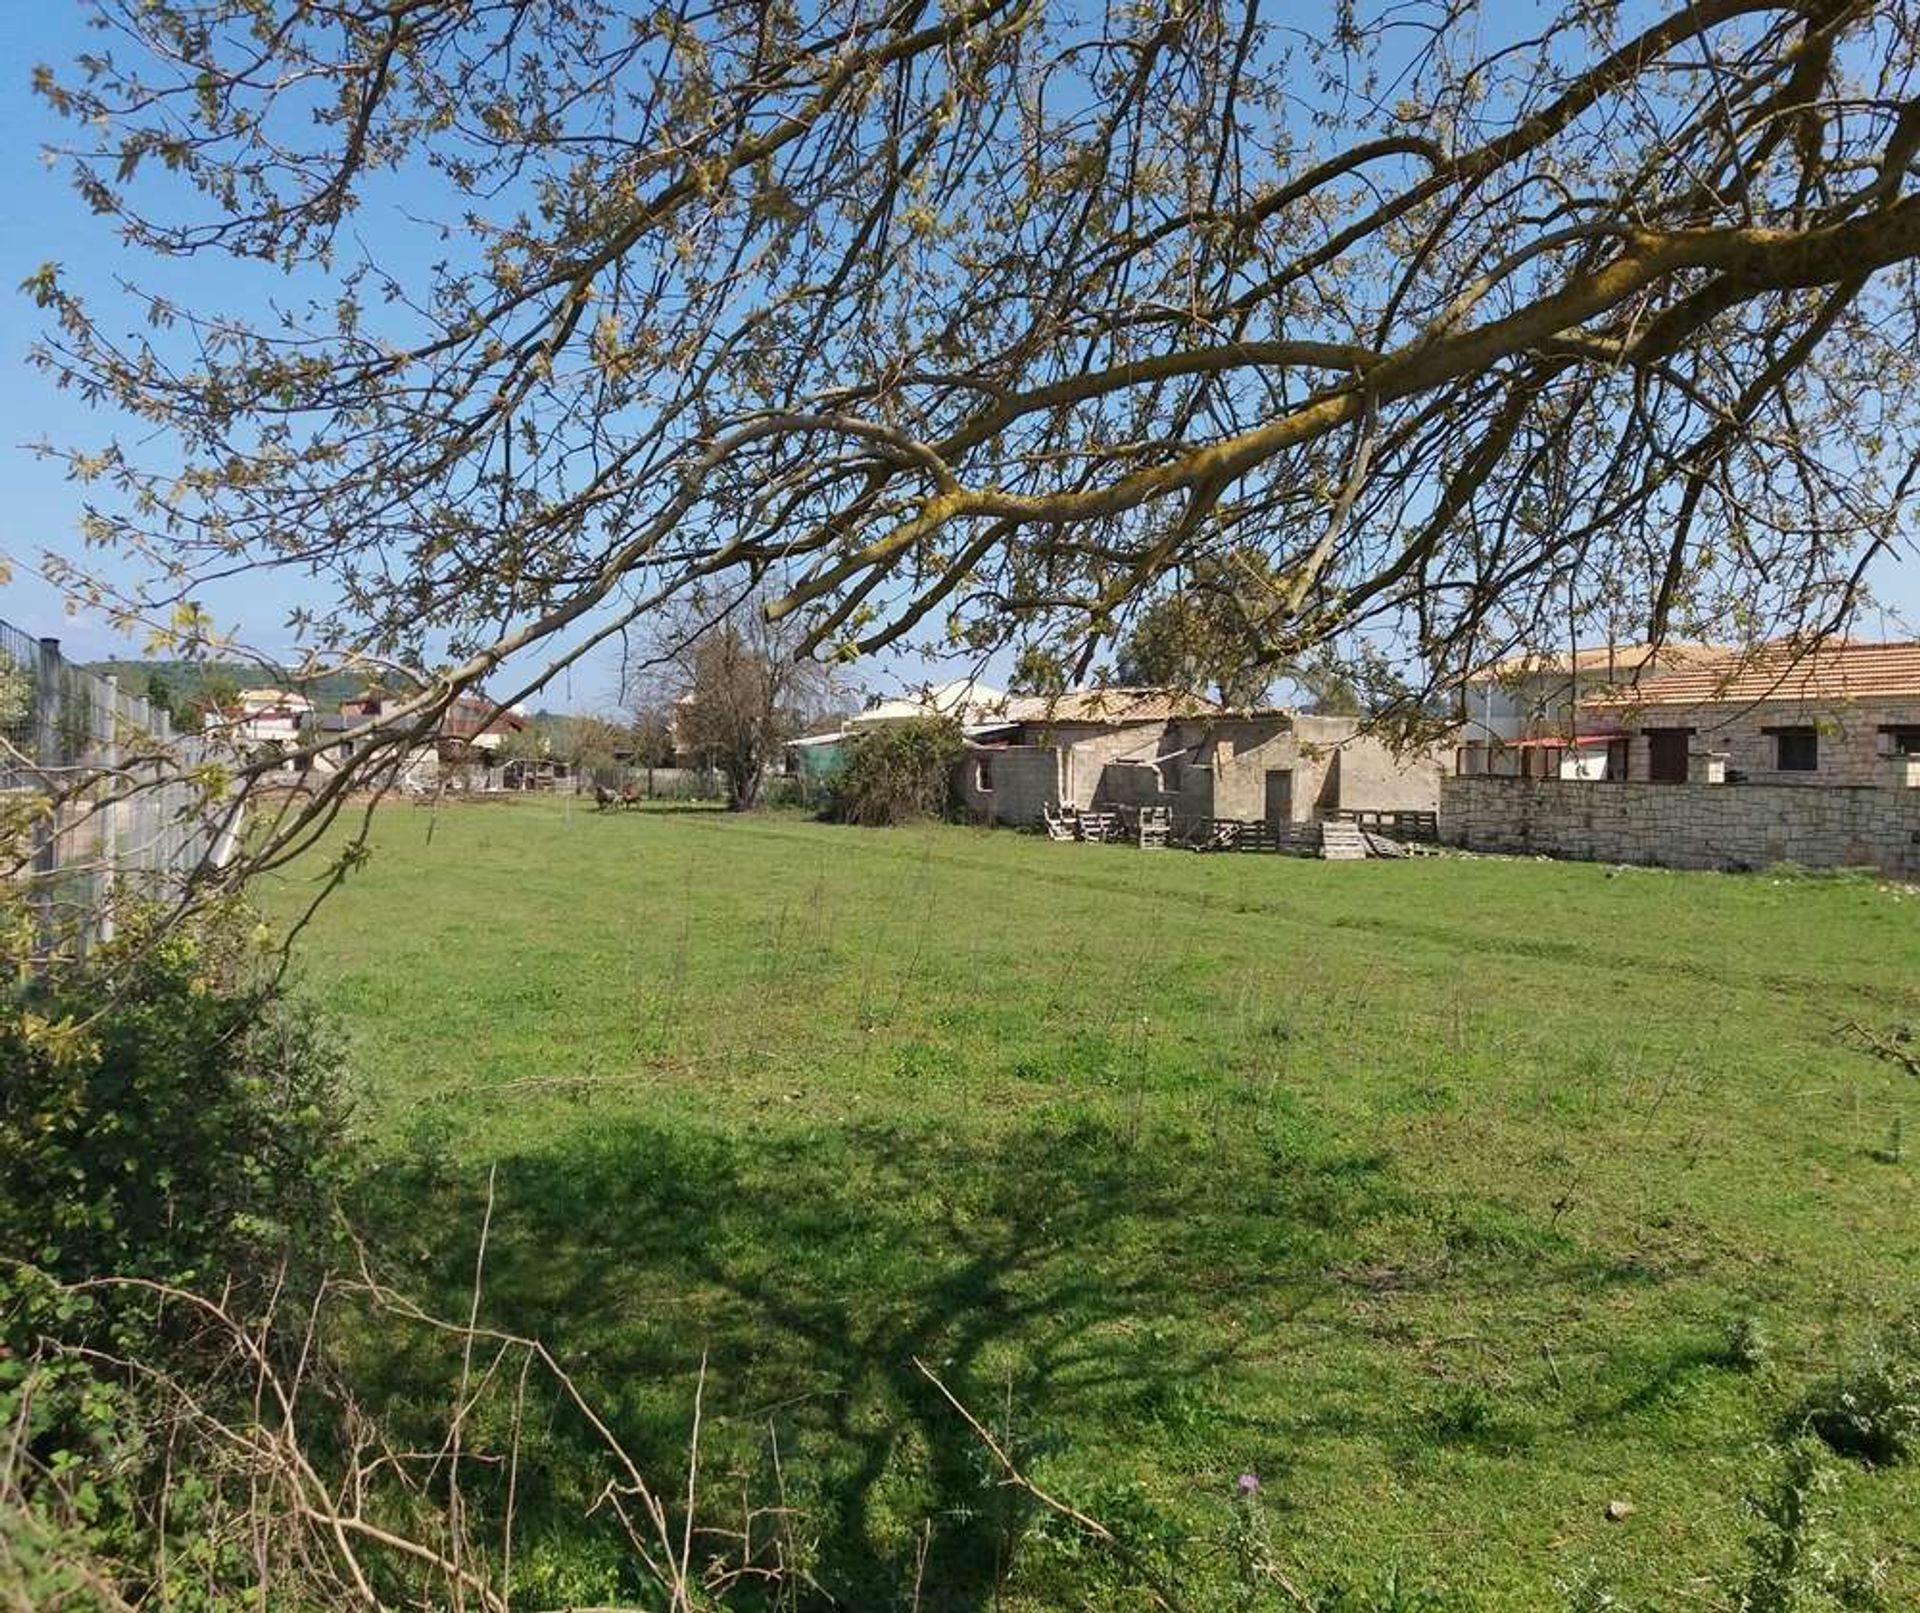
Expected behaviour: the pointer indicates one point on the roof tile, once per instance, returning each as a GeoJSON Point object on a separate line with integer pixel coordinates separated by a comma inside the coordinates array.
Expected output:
{"type": "Point", "coordinates": [1833, 672]}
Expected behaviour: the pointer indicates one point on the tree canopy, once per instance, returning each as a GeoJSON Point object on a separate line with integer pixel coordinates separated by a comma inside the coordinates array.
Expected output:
{"type": "Point", "coordinates": [978, 321]}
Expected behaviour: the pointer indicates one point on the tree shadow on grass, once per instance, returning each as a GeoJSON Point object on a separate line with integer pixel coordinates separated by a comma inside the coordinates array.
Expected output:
{"type": "Point", "coordinates": [1065, 1281]}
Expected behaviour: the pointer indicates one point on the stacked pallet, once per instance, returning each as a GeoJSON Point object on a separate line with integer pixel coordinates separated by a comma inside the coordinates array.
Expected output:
{"type": "Point", "coordinates": [1342, 842]}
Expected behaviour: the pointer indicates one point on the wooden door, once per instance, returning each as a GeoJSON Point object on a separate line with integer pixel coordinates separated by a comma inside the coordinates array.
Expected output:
{"type": "Point", "coordinates": [1667, 755]}
{"type": "Point", "coordinates": [1280, 796]}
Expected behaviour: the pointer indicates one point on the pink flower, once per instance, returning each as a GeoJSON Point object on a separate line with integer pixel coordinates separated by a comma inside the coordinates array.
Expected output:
{"type": "Point", "coordinates": [1249, 1482]}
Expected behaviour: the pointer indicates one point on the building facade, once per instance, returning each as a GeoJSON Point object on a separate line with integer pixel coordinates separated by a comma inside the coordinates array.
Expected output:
{"type": "Point", "coordinates": [1113, 748]}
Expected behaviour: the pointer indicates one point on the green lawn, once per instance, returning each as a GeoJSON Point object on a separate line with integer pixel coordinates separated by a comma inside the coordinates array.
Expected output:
{"type": "Point", "coordinates": [1427, 1192]}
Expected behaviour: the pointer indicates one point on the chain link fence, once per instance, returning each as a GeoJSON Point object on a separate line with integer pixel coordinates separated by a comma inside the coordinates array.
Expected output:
{"type": "Point", "coordinates": [104, 789]}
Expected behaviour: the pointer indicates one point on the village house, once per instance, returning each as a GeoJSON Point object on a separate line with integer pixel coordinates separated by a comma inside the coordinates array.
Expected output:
{"type": "Point", "coordinates": [1838, 714]}
{"type": "Point", "coordinates": [1780, 754]}
{"type": "Point", "coordinates": [467, 736]}
{"type": "Point", "coordinates": [1527, 717]}
{"type": "Point", "coordinates": [1130, 748]}
{"type": "Point", "coordinates": [259, 719]}
{"type": "Point", "coordinates": [977, 707]}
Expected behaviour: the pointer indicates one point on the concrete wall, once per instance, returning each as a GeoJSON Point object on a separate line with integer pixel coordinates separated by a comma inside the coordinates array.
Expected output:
{"type": "Point", "coordinates": [1091, 751]}
{"type": "Point", "coordinates": [1200, 768]}
{"type": "Point", "coordinates": [1021, 778]}
{"type": "Point", "coordinates": [1368, 775]}
{"type": "Point", "coordinates": [1687, 825]}
{"type": "Point", "coordinates": [1243, 752]}
{"type": "Point", "coordinates": [1132, 784]}
{"type": "Point", "coordinates": [1850, 741]}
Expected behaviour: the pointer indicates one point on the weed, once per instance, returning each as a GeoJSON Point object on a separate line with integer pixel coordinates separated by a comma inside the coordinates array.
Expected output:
{"type": "Point", "coordinates": [1746, 1347]}
{"type": "Point", "coordinates": [1870, 1410]}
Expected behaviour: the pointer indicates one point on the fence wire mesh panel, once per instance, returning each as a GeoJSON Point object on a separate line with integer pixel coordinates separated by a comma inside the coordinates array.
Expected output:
{"type": "Point", "coordinates": [106, 789]}
{"type": "Point", "coordinates": [19, 681]}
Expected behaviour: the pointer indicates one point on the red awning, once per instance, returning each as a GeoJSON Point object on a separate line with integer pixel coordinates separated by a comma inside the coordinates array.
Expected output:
{"type": "Point", "coordinates": [1562, 741]}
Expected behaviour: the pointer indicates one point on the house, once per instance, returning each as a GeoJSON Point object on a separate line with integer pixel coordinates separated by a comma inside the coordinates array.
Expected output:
{"type": "Point", "coordinates": [1778, 754]}
{"type": "Point", "coordinates": [1529, 716]}
{"type": "Point", "coordinates": [976, 706]}
{"type": "Point", "coordinates": [470, 719]}
{"type": "Point", "coordinates": [1839, 713]}
{"type": "Point", "coordinates": [261, 718]}
{"type": "Point", "coordinates": [468, 733]}
{"type": "Point", "coordinates": [966, 701]}
{"type": "Point", "coordinates": [1139, 747]}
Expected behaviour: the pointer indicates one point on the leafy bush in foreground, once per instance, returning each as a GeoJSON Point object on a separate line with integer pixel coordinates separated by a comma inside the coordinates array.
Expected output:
{"type": "Point", "coordinates": [161, 1117]}
{"type": "Point", "coordinates": [166, 1122]}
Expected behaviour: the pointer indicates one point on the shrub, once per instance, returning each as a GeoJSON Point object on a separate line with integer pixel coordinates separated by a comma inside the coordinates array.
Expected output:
{"type": "Point", "coordinates": [899, 773]}
{"type": "Point", "coordinates": [163, 1117]}
{"type": "Point", "coordinates": [1796, 1563]}
{"type": "Point", "coordinates": [1870, 1410]}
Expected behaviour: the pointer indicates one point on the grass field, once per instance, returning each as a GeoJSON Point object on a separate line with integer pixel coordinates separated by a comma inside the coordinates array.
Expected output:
{"type": "Point", "coordinates": [1429, 1193]}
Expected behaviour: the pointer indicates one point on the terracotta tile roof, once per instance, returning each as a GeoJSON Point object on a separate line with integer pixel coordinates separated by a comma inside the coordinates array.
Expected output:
{"type": "Point", "coordinates": [1831, 673]}
{"type": "Point", "coordinates": [1623, 659]}
{"type": "Point", "coordinates": [1111, 705]}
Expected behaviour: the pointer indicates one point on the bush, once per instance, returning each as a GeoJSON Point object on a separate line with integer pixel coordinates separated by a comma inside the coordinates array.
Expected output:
{"type": "Point", "coordinates": [168, 1118]}
{"type": "Point", "coordinates": [162, 1117]}
{"type": "Point", "coordinates": [899, 773]}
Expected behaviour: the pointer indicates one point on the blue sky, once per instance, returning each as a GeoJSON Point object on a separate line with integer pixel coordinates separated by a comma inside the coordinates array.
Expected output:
{"type": "Point", "coordinates": [42, 219]}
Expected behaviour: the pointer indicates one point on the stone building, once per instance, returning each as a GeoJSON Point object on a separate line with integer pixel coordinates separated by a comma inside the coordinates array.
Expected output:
{"type": "Point", "coordinates": [1778, 755]}
{"type": "Point", "coordinates": [1838, 714]}
{"type": "Point", "coordinates": [1130, 747]}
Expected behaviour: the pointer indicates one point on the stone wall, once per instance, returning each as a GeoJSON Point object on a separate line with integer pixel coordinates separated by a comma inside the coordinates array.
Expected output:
{"type": "Point", "coordinates": [1687, 825]}
{"type": "Point", "coordinates": [1852, 747]}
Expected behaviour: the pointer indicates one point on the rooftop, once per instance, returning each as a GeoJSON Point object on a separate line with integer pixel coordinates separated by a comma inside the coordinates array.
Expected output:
{"type": "Point", "coordinates": [965, 700]}
{"type": "Point", "coordinates": [1832, 672]}
{"type": "Point", "coordinates": [1621, 660]}
{"type": "Point", "coordinates": [1119, 704]}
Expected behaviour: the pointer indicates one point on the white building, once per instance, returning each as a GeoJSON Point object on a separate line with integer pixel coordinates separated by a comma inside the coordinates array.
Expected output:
{"type": "Point", "coordinates": [260, 717]}
{"type": "Point", "coordinates": [1522, 716]}
{"type": "Point", "coordinates": [966, 701]}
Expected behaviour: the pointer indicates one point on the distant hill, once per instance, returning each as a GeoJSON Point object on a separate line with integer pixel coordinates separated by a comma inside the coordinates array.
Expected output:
{"type": "Point", "coordinates": [186, 680]}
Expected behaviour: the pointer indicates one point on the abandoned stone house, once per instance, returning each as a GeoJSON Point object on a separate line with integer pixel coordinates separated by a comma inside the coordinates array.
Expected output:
{"type": "Point", "coordinates": [1130, 747]}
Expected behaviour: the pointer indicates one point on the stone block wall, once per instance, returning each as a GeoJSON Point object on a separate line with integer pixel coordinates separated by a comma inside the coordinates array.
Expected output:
{"type": "Point", "coordinates": [1019, 780]}
{"type": "Point", "coordinates": [1687, 825]}
{"type": "Point", "coordinates": [1852, 746]}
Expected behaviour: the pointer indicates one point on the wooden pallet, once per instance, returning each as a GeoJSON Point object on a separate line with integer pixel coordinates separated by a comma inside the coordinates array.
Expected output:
{"type": "Point", "coordinates": [1099, 826]}
{"type": "Point", "coordinates": [1342, 842]}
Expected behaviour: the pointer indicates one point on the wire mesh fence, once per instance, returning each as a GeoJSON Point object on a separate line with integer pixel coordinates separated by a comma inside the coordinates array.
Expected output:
{"type": "Point", "coordinates": [104, 791]}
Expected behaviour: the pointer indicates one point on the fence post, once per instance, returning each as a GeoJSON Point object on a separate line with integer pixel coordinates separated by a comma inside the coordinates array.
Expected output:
{"type": "Point", "coordinates": [110, 826]}
{"type": "Point", "coordinates": [46, 755]}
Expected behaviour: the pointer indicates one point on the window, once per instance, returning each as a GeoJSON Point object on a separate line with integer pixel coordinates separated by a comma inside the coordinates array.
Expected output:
{"type": "Point", "coordinates": [1902, 741]}
{"type": "Point", "coordinates": [1796, 750]}
{"type": "Point", "coordinates": [983, 775]}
